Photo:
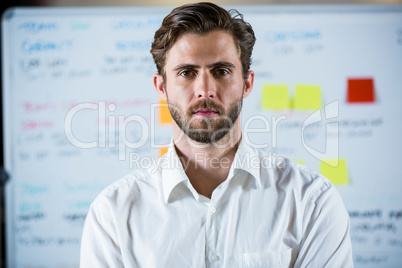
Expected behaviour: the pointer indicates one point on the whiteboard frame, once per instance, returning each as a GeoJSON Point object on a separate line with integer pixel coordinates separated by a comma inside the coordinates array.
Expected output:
{"type": "Point", "coordinates": [10, 13]}
{"type": "Point", "coordinates": [7, 140]}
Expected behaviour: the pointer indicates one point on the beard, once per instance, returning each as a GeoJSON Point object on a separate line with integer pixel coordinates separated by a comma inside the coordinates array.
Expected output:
{"type": "Point", "coordinates": [207, 130]}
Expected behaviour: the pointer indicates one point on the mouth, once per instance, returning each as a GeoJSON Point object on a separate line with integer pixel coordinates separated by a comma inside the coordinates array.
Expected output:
{"type": "Point", "coordinates": [204, 112]}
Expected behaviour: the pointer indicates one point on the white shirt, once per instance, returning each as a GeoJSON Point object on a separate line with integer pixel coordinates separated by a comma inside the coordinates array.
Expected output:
{"type": "Point", "coordinates": [265, 214]}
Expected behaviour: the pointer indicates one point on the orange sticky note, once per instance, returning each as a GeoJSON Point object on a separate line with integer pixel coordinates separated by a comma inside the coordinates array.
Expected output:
{"type": "Point", "coordinates": [275, 97]}
{"type": "Point", "coordinates": [307, 98]}
{"type": "Point", "coordinates": [162, 151]}
{"type": "Point", "coordinates": [164, 114]}
{"type": "Point", "coordinates": [335, 171]}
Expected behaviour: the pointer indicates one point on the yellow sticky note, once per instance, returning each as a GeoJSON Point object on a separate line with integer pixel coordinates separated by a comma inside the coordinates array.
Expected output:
{"type": "Point", "coordinates": [162, 151]}
{"type": "Point", "coordinates": [336, 173]}
{"type": "Point", "coordinates": [307, 98]}
{"type": "Point", "coordinates": [300, 161]}
{"type": "Point", "coordinates": [275, 97]}
{"type": "Point", "coordinates": [164, 114]}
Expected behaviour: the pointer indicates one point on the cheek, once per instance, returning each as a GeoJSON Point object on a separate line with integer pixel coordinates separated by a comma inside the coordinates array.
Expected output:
{"type": "Point", "coordinates": [179, 93]}
{"type": "Point", "coordinates": [232, 91]}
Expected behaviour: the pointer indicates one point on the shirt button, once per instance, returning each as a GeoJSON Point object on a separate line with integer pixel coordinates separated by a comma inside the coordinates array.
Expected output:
{"type": "Point", "coordinates": [213, 209]}
{"type": "Point", "coordinates": [214, 257]}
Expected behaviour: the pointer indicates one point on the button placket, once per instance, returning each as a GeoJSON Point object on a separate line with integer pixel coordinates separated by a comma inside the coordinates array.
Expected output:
{"type": "Point", "coordinates": [213, 257]}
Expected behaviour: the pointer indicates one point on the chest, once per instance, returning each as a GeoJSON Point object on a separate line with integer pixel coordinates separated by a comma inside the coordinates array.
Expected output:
{"type": "Point", "coordinates": [222, 233]}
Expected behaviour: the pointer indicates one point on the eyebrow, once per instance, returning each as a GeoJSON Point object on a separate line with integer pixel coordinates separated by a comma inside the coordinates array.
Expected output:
{"type": "Point", "coordinates": [213, 65]}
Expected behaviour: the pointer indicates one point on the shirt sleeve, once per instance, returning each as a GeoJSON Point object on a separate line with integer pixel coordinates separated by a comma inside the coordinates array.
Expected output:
{"type": "Point", "coordinates": [326, 241]}
{"type": "Point", "coordinates": [99, 244]}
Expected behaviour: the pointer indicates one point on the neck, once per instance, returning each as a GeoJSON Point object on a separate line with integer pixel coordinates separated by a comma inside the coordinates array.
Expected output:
{"type": "Point", "coordinates": [207, 165]}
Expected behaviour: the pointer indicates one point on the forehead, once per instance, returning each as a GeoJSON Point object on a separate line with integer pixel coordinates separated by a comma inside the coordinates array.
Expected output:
{"type": "Point", "coordinates": [202, 49]}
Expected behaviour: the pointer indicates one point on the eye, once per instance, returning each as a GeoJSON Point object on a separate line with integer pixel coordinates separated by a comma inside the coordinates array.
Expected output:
{"type": "Point", "coordinates": [221, 72]}
{"type": "Point", "coordinates": [186, 73]}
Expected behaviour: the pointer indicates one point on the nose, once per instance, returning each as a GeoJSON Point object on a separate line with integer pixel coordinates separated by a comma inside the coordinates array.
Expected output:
{"type": "Point", "coordinates": [205, 87]}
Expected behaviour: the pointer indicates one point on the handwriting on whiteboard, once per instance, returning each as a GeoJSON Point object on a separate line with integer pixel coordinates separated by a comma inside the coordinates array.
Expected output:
{"type": "Point", "coordinates": [29, 47]}
{"type": "Point", "coordinates": [37, 27]}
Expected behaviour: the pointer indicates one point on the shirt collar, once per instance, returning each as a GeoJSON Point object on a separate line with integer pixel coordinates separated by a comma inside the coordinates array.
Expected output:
{"type": "Point", "coordinates": [172, 172]}
{"type": "Point", "coordinates": [246, 159]}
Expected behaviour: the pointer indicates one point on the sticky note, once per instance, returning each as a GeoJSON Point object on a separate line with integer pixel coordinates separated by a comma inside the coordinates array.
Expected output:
{"type": "Point", "coordinates": [300, 161]}
{"type": "Point", "coordinates": [361, 90]}
{"type": "Point", "coordinates": [335, 172]}
{"type": "Point", "coordinates": [162, 151]}
{"type": "Point", "coordinates": [307, 98]}
{"type": "Point", "coordinates": [275, 97]}
{"type": "Point", "coordinates": [164, 114]}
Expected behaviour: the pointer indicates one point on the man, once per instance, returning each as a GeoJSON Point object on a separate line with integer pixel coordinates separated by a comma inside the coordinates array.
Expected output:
{"type": "Point", "coordinates": [211, 201]}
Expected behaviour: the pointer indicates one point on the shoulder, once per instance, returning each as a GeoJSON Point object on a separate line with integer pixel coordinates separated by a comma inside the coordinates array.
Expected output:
{"type": "Point", "coordinates": [289, 176]}
{"type": "Point", "coordinates": [130, 187]}
{"type": "Point", "coordinates": [299, 174]}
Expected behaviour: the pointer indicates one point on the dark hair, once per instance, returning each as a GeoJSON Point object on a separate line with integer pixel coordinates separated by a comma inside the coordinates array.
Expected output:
{"type": "Point", "coordinates": [202, 18]}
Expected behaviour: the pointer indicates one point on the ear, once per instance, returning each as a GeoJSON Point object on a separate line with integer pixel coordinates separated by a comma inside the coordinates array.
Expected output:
{"type": "Point", "coordinates": [248, 85]}
{"type": "Point", "coordinates": [159, 86]}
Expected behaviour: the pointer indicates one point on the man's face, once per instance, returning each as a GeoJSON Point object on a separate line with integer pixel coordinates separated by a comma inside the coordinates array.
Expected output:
{"type": "Point", "coordinates": [204, 85]}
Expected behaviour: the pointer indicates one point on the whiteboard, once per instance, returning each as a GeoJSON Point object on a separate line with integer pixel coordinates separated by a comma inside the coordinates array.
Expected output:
{"type": "Point", "coordinates": [80, 111]}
